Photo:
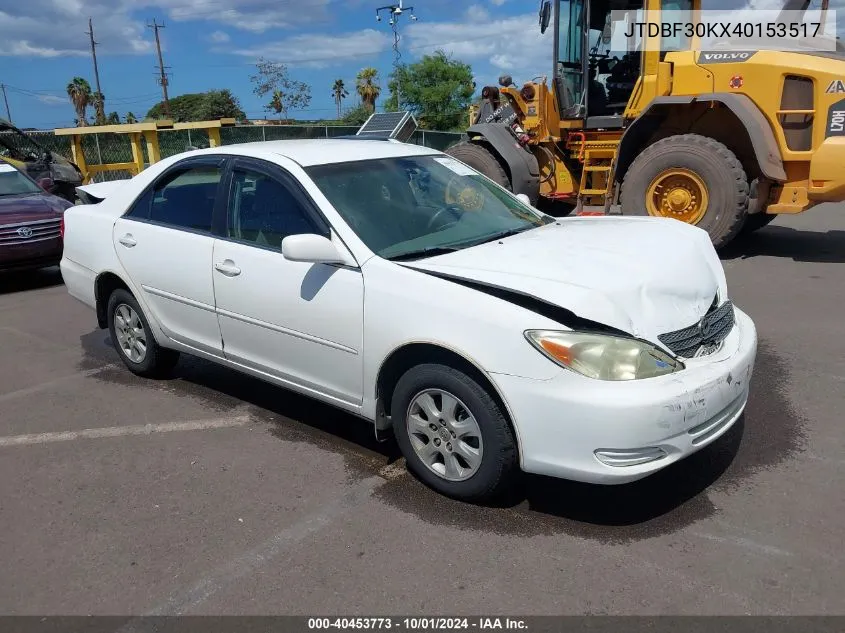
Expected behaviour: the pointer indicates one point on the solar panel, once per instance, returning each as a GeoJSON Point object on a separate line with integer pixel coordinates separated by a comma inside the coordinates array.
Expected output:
{"type": "Point", "coordinates": [398, 125]}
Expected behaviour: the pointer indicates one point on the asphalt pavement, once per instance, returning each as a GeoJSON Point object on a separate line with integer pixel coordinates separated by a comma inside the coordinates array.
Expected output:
{"type": "Point", "coordinates": [213, 493]}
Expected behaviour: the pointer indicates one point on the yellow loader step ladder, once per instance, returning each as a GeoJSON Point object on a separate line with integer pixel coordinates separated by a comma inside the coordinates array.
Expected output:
{"type": "Point", "coordinates": [589, 184]}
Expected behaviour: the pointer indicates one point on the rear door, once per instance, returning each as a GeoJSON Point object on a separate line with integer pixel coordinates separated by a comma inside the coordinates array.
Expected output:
{"type": "Point", "coordinates": [165, 243]}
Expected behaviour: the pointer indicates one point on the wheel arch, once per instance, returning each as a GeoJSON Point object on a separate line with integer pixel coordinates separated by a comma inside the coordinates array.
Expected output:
{"type": "Point", "coordinates": [104, 285]}
{"type": "Point", "coordinates": [411, 354]}
{"type": "Point", "coordinates": [521, 165]}
{"type": "Point", "coordinates": [738, 124]}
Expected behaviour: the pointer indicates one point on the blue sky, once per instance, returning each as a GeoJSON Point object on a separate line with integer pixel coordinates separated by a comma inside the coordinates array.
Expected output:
{"type": "Point", "coordinates": [214, 44]}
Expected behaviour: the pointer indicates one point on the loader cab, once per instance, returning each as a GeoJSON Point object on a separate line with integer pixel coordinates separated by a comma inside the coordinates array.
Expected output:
{"type": "Point", "coordinates": [597, 67]}
{"type": "Point", "coordinates": [594, 82]}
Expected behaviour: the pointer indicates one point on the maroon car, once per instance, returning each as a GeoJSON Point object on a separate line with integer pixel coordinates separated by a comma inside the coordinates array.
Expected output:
{"type": "Point", "coordinates": [30, 222]}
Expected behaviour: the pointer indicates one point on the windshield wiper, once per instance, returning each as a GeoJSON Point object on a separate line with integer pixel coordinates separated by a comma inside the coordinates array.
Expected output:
{"type": "Point", "coordinates": [423, 252]}
{"type": "Point", "coordinates": [502, 235]}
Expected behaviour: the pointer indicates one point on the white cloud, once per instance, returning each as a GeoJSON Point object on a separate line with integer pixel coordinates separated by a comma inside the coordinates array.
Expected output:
{"type": "Point", "coordinates": [219, 37]}
{"type": "Point", "coordinates": [321, 51]}
{"type": "Point", "coordinates": [52, 99]}
{"type": "Point", "coordinates": [56, 28]}
{"type": "Point", "coordinates": [498, 3]}
{"type": "Point", "coordinates": [256, 16]}
{"type": "Point", "coordinates": [45, 28]}
{"type": "Point", "coordinates": [478, 13]}
{"type": "Point", "coordinates": [481, 41]}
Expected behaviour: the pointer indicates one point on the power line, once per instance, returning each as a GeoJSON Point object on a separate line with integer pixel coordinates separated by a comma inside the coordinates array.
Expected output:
{"type": "Point", "coordinates": [161, 67]}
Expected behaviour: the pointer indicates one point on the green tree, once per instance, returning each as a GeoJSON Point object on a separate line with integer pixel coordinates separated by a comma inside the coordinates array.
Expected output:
{"type": "Point", "coordinates": [113, 118]}
{"type": "Point", "coordinates": [356, 116]}
{"type": "Point", "coordinates": [367, 86]}
{"type": "Point", "coordinates": [201, 106]}
{"type": "Point", "coordinates": [437, 89]}
{"type": "Point", "coordinates": [339, 93]}
{"type": "Point", "coordinates": [287, 94]}
{"type": "Point", "coordinates": [98, 100]}
{"type": "Point", "coordinates": [130, 118]}
{"type": "Point", "coordinates": [79, 92]}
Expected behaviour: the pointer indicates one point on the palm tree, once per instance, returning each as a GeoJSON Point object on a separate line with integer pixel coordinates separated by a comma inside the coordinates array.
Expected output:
{"type": "Point", "coordinates": [339, 93]}
{"type": "Point", "coordinates": [130, 118]}
{"type": "Point", "coordinates": [80, 95]}
{"type": "Point", "coordinates": [277, 104]}
{"type": "Point", "coordinates": [98, 100]}
{"type": "Point", "coordinates": [366, 83]}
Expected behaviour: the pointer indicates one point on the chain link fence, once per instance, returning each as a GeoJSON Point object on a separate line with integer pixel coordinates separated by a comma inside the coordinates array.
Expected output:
{"type": "Point", "coordinates": [115, 148]}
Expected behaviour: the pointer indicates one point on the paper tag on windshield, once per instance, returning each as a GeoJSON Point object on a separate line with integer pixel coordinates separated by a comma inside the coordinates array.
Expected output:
{"type": "Point", "coordinates": [453, 165]}
{"type": "Point", "coordinates": [6, 167]}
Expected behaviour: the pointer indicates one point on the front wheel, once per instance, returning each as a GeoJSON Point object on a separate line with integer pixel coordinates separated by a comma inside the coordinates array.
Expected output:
{"type": "Point", "coordinates": [453, 434]}
{"type": "Point", "coordinates": [691, 178]}
{"type": "Point", "coordinates": [133, 339]}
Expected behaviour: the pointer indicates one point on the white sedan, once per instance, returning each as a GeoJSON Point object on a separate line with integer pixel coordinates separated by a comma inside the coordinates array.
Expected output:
{"type": "Point", "coordinates": [398, 284]}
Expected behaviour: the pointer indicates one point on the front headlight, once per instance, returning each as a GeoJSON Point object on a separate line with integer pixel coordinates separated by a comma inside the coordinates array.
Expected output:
{"type": "Point", "coordinates": [603, 357]}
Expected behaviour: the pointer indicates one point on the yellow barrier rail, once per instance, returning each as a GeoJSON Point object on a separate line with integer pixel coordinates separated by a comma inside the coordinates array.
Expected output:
{"type": "Point", "coordinates": [138, 133]}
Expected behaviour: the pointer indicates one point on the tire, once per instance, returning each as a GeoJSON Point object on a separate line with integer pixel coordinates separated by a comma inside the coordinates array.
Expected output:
{"type": "Point", "coordinates": [757, 221]}
{"type": "Point", "coordinates": [717, 167]}
{"type": "Point", "coordinates": [156, 360]}
{"type": "Point", "coordinates": [481, 159]}
{"type": "Point", "coordinates": [497, 470]}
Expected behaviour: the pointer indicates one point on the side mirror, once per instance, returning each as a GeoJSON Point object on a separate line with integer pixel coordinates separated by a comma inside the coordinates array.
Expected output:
{"type": "Point", "coordinates": [523, 198]}
{"type": "Point", "coordinates": [46, 184]}
{"type": "Point", "coordinates": [545, 15]}
{"type": "Point", "coordinates": [312, 248]}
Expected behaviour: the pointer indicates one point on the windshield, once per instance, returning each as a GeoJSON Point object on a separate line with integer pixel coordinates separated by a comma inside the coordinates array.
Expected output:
{"type": "Point", "coordinates": [14, 183]}
{"type": "Point", "coordinates": [400, 207]}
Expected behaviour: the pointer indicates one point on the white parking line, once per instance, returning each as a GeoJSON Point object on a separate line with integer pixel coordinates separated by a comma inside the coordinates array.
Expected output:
{"type": "Point", "coordinates": [118, 431]}
{"type": "Point", "coordinates": [26, 391]}
{"type": "Point", "coordinates": [261, 556]}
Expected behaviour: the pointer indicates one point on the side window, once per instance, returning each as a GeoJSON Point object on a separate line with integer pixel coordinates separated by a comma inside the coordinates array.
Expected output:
{"type": "Point", "coordinates": [141, 209]}
{"type": "Point", "coordinates": [263, 211]}
{"type": "Point", "coordinates": [186, 198]}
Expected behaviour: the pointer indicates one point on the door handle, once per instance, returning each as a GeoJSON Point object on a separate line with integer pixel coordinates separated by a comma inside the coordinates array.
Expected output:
{"type": "Point", "coordinates": [228, 268]}
{"type": "Point", "coordinates": [127, 240]}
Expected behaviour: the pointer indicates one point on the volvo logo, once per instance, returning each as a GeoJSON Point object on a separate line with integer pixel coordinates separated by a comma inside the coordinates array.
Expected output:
{"type": "Point", "coordinates": [25, 231]}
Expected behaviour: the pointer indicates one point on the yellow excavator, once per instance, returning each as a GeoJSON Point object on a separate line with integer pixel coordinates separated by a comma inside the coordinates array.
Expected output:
{"type": "Point", "coordinates": [724, 139]}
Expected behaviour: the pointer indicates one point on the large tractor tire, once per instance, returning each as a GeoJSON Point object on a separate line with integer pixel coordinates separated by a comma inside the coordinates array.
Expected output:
{"type": "Point", "coordinates": [691, 178]}
{"type": "Point", "coordinates": [757, 221]}
{"type": "Point", "coordinates": [481, 159]}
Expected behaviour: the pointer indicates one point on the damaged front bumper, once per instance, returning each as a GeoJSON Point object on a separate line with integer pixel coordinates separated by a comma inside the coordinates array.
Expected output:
{"type": "Point", "coordinates": [615, 432]}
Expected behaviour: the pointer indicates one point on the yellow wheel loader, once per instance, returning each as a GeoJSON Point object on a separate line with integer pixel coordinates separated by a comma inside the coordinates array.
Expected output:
{"type": "Point", "coordinates": [723, 139]}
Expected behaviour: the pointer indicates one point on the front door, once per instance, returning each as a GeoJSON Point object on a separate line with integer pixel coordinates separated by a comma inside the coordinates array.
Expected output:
{"type": "Point", "coordinates": [165, 243]}
{"type": "Point", "coordinates": [301, 323]}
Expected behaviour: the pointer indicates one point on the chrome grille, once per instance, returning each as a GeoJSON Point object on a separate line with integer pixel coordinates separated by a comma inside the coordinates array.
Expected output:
{"type": "Point", "coordinates": [709, 332]}
{"type": "Point", "coordinates": [29, 232]}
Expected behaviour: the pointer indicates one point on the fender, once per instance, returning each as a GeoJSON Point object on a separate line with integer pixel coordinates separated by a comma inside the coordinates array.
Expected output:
{"type": "Point", "coordinates": [760, 134]}
{"type": "Point", "coordinates": [522, 164]}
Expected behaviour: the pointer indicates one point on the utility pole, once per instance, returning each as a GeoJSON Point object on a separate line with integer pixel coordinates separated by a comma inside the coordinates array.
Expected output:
{"type": "Point", "coordinates": [395, 11]}
{"type": "Point", "coordinates": [6, 101]}
{"type": "Point", "coordinates": [161, 68]}
{"type": "Point", "coordinates": [101, 106]}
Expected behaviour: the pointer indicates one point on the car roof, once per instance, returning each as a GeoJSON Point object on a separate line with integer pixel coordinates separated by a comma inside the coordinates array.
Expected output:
{"type": "Point", "coordinates": [310, 152]}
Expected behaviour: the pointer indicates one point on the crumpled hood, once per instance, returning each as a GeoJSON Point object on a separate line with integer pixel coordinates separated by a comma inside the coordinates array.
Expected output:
{"type": "Point", "coordinates": [645, 276]}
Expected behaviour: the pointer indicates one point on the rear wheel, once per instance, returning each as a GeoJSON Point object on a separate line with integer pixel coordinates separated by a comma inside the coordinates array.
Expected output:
{"type": "Point", "coordinates": [482, 160]}
{"type": "Point", "coordinates": [133, 339]}
{"type": "Point", "coordinates": [691, 178]}
{"type": "Point", "coordinates": [453, 434]}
